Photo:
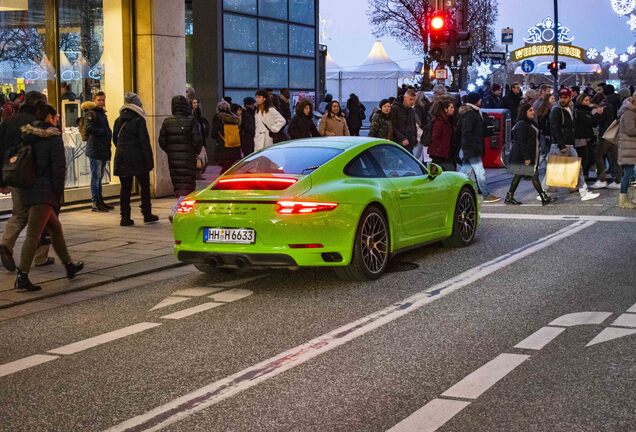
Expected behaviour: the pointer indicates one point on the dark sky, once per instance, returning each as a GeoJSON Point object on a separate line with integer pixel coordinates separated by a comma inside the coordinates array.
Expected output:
{"type": "Point", "coordinates": [592, 23]}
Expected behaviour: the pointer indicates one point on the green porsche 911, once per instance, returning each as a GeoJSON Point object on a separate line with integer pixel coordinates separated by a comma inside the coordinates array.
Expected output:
{"type": "Point", "coordinates": [349, 203]}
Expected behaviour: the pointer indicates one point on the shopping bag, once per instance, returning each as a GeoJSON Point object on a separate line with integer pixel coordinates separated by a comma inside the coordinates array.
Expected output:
{"type": "Point", "coordinates": [611, 134]}
{"type": "Point", "coordinates": [563, 171]}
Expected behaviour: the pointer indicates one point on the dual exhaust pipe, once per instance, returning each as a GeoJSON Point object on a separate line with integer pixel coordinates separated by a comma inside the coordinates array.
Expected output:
{"type": "Point", "coordinates": [239, 262]}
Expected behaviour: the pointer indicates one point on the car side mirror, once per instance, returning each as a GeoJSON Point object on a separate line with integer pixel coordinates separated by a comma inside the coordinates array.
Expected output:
{"type": "Point", "coordinates": [434, 170]}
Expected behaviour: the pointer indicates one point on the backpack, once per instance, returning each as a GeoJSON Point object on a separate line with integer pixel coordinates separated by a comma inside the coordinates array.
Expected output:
{"type": "Point", "coordinates": [81, 124]}
{"type": "Point", "coordinates": [231, 136]}
{"type": "Point", "coordinates": [18, 169]}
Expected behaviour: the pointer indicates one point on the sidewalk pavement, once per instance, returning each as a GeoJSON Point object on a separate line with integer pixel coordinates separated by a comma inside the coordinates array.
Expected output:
{"type": "Point", "coordinates": [110, 253]}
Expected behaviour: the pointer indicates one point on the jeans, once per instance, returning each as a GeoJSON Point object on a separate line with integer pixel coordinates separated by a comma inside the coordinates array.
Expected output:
{"type": "Point", "coordinates": [477, 166]}
{"type": "Point", "coordinates": [98, 167]}
{"type": "Point", "coordinates": [14, 226]}
{"type": "Point", "coordinates": [144, 190]}
{"type": "Point", "coordinates": [571, 152]}
{"type": "Point", "coordinates": [603, 148]}
{"type": "Point", "coordinates": [628, 172]}
{"type": "Point", "coordinates": [42, 216]}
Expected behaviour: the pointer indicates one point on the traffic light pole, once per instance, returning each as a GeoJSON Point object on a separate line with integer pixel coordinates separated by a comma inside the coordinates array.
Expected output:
{"type": "Point", "coordinates": [555, 72]}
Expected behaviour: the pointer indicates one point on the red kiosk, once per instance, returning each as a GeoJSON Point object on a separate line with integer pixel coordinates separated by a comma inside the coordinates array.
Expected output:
{"type": "Point", "coordinates": [499, 140]}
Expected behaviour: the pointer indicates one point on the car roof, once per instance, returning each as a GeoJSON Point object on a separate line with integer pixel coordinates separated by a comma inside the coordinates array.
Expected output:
{"type": "Point", "coordinates": [341, 143]}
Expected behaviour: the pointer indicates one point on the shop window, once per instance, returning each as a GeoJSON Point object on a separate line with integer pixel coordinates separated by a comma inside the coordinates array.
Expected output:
{"type": "Point", "coordinates": [302, 74]}
{"type": "Point", "coordinates": [272, 37]}
{"type": "Point", "coordinates": [302, 11]}
{"type": "Point", "coordinates": [240, 70]}
{"type": "Point", "coordinates": [243, 6]}
{"type": "Point", "coordinates": [302, 41]}
{"type": "Point", "coordinates": [238, 95]}
{"type": "Point", "coordinates": [273, 72]}
{"type": "Point", "coordinates": [239, 32]}
{"type": "Point", "coordinates": [273, 9]}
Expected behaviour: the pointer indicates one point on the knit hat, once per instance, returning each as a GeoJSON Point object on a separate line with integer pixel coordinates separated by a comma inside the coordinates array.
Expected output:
{"type": "Point", "coordinates": [472, 98]}
{"type": "Point", "coordinates": [624, 93]}
{"type": "Point", "coordinates": [495, 87]}
{"type": "Point", "coordinates": [132, 99]}
{"type": "Point", "coordinates": [531, 94]}
{"type": "Point", "coordinates": [565, 92]}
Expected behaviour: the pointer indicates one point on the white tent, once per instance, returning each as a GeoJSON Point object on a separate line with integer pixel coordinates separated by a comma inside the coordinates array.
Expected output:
{"type": "Point", "coordinates": [376, 78]}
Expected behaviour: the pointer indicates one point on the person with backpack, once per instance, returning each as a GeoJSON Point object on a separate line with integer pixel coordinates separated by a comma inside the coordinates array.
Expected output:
{"type": "Point", "coordinates": [268, 121]}
{"type": "Point", "coordinates": [10, 137]}
{"type": "Point", "coordinates": [44, 196]}
{"type": "Point", "coordinates": [226, 133]}
{"type": "Point", "coordinates": [180, 137]}
{"type": "Point", "coordinates": [96, 131]}
{"type": "Point", "coordinates": [133, 158]}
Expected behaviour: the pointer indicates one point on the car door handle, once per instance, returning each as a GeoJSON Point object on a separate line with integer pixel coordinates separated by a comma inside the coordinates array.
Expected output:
{"type": "Point", "coordinates": [405, 195]}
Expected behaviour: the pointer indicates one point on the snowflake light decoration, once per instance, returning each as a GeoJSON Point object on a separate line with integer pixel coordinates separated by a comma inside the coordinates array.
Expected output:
{"type": "Point", "coordinates": [483, 70]}
{"type": "Point", "coordinates": [631, 50]}
{"type": "Point", "coordinates": [631, 22]}
{"type": "Point", "coordinates": [613, 69]}
{"type": "Point", "coordinates": [479, 82]}
{"type": "Point", "coordinates": [609, 55]}
{"type": "Point", "coordinates": [623, 7]}
{"type": "Point", "coordinates": [471, 87]}
{"type": "Point", "coordinates": [623, 58]}
{"type": "Point", "coordinates": [592, 53]}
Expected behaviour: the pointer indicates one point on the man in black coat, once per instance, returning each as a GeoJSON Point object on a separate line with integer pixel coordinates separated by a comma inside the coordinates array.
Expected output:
{"type": "Point", "coordinates": [512, 100]}
{"type": "Point", "coordinates": [283, 104]}
{"type": "Point", "coordinates": [404, 122]}
{"type": "Point", "coordinates": [562, 127]}
{"type": "Point", "coordinates": [492, 98]}
{"type": "Point", "coordinates": [471, 129]}
{"type": "Point", "coordinates": [248, 126]}
{"type": "Point", "coordinates": [97, 146]}
{"type": "Point", "coordinates": [10, 136]}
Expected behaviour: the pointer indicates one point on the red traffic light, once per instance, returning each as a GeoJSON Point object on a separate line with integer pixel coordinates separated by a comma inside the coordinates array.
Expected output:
{"type": "Point", "coordinates": [438, 22]}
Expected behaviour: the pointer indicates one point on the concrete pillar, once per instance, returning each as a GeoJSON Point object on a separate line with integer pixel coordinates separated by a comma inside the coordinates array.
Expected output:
{"type": "Point", "coordinates": [160, 72]}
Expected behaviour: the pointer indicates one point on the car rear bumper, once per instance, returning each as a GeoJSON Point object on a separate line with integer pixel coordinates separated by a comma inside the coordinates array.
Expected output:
{"type": "Point", "coordinates": [239, 260]}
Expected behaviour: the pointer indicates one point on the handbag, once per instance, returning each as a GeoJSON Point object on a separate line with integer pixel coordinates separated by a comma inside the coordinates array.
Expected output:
{"type": "Point", "coordinates": [279, 136]}
{"type": "Point", "coordinates": [563, 171]}
{"type": "Point", "coordinates": [611, 134]}
{"type": "Point", "coordinates": [521, 169]}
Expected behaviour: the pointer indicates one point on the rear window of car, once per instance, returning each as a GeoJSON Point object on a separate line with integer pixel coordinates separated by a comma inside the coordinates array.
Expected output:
{"type": "Point", "coordinates": [285, 160]}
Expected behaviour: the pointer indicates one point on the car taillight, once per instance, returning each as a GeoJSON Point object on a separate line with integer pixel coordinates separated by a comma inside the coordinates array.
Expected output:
{"type": "Point", "coordinates": [186, 206]}
{"type": "Point", "coordinates": [255, 183]}
{"type": "Point", "coordinates": [303, 207]}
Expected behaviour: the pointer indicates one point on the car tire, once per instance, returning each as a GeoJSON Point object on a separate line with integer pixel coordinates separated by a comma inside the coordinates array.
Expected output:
{"type": "Point", "coordinates": [369, 263]}
{"type": "Point", "coordinates": [464, 220]}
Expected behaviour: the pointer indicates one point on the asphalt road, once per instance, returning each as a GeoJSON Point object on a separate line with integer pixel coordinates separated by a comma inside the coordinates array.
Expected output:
{"type": "Point", "coordinates": [280, 352]}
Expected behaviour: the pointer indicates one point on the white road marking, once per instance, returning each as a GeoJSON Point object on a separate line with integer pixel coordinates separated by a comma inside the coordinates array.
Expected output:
{"type": "Point", "coordinates": [196, 292]}
{"type": "Point", "coordinates": [191, 311]}
{"type": "Point", "coordinates": [231, 295]}
{"type": "Point", "coordinates": [431, 416]}
{"type": "Point", "coordinates": [568, 218]}
{"type": "Point", "coordinates": [540, 338]}
{"type": "Point", "coordinates": [475, 384]}
{"type": "Point", "coordinates": [25, 363]}
{"type": "Point", "coordinates": [103, 338]}
{"type": "Point", "coordinates": [625, 320]}
{"type": "Point", "coordinates": [169, 301]}
{"type": "Point", "coordinates": [215, 392]}
{"type": "Point", "coordinates": [609, 334]}
{"type": "Point", "coordinates": [581, 318]}
{"type": "Point", "coordinates": [632, 309]}
{"type": "Point", "coordinates": [237, 282]}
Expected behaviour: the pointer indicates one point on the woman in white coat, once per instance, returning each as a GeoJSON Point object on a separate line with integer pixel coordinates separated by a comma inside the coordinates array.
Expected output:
{"type": "Point", "coordinates": [267, 120]}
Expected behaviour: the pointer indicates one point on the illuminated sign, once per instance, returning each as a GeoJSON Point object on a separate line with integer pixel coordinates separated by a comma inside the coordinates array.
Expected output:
{"type": "Point", "coordinates": [547, 50]}
{"type": "Point", "coordinates": [544, 32]}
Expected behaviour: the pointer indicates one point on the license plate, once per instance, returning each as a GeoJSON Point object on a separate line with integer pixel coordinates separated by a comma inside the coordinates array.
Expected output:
{"type": "Point", "coordinates": [229, 235]}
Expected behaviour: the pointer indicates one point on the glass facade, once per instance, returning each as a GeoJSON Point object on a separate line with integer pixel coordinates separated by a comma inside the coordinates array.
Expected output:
{"type": "Point", "coordinates": [268, 43]}
{"type": "Point", "coordinates": [61, 48]}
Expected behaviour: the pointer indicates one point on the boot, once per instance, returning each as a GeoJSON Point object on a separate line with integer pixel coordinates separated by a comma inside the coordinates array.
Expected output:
{"type": "Point", "coordinates": [623, 202]}
{"type": "Point", "coordinates": [545, 199]}
{"type": "Point", "coordinates": [22, 282]}
{"type": "Point", "coordinates": [73, 268]}
{"type": "Point", "coordinates": [125, 222]}
{"type": "Point", "coordinates": [510, 199]}
{"type": "Point", "coordinates": [99, 207]}
{"type": "Point", "coordinates": [108, 206]}
{"type": "Point", "coordinates": [150, 218]}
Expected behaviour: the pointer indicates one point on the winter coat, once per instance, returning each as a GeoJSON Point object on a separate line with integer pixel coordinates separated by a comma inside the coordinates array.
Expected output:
{"type": "Point", "coordinates": [204, 124]}
{"type": "Point", "coordinates": [264, 120]}
{"type": "Point", "coordinates": [381, 126]}
{"type": "Point", "coordinates": [441, 145]}
{"type": "Point", "coordinates": [133, 153]}
{"type": "Point", "coordinates": [10, 133]}
{"type": "Point", "coordinates": [562, 126]}
{"type": "Point", "coordinates": [471, 131]}
{"type": "Point", "coordinates": [50, 164]}
{"type": "Point", "coordinates": [511, 102]}
{"type": "Point", "coordinates": [525, 142]}
{"type": "Point", "coordinates": [404, 125]}
{"type": "Point", "coordinates": [181, 139]}
{"type": "Point", "coordinates": [614, 100]}
{"type": "Point", "coordinates": [491, 101]}
{"type": "Point", "coordinates": [98, 130]}
{"type": "Point", "coordinates": [225, 156]}
{"type": "Point", "coordinates": [627, 134]}
{"type": "Point", "coordinates": [424, 120]}
{"type": "Point", "coordinates": [356, 115]}
{"type": "Point", "coordinates": [585, 122]}
{"type": "Point", "coordinates": [248, 130]}
{"type": "Point", "coordinates": [333, 126]}
{"type": "Point", "coordinates": [302, 126]}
